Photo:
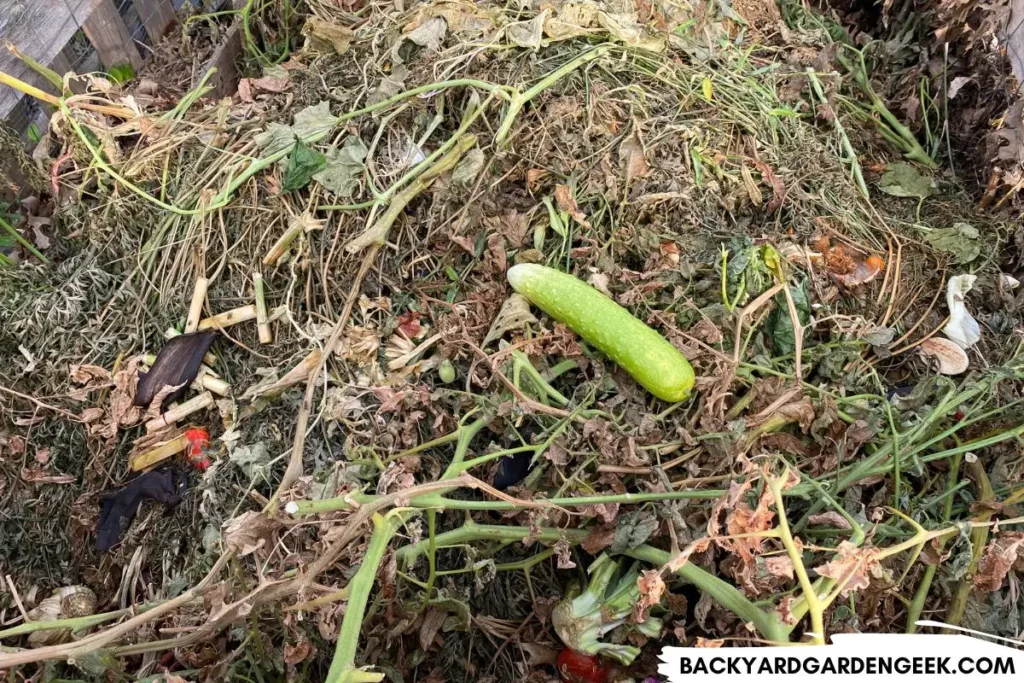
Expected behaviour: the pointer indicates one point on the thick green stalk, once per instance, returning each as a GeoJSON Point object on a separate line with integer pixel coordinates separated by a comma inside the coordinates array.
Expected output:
{"type": "Point", "coordinates": [29, 247]}
{"type": "Point", "coordinates": [343, 668]}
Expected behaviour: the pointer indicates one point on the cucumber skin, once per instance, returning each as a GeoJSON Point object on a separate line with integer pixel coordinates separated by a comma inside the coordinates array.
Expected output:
{"type": "Point", "coordinates": [639, 350]}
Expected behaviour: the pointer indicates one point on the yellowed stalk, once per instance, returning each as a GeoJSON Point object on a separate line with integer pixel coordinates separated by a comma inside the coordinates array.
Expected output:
{"type": "Point", "coordinates": [195, 310]}
{"type": "Point", "coordinates": [158, 454]}
{"type": "Point", "coordinates": [229, 318]}
{"type": "Point", "coordinates": [180, 412]}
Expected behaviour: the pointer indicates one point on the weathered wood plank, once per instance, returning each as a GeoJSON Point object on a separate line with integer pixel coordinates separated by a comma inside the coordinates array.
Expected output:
{"type": "Point", "coordinates": [156, 16]}
{"type": "Point", "coordinates": [108, 34]}
{"type": "Point", "coordinates": [40, 29]}
{"type": "Point", "coordinates": [225, 81]}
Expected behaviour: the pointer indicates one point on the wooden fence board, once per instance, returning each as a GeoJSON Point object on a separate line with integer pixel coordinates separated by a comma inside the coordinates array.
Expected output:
{"type": "Point", "coordinates": [156, 16]}
{"type": "Point", "coordinates": [108, 34]}
{"type": "Point", "coordinates": [40, 29]}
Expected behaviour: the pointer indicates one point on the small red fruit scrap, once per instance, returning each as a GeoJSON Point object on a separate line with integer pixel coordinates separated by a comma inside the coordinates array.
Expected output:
{"type": "Point", "coordinates": [198, 442]}
{"type": "Point", "coordinates": [575, 667]}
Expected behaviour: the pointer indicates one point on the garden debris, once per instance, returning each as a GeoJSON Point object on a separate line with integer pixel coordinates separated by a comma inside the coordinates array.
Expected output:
{"type": "Point", "coordinates": [67, 602]}
{"type": "Point", "coordinates": [119, 507]}
{"type": "Point", "coordinates": [962, 328]}
{"type": "Point", "coordinates": [951, 357]}
{"type": "Point", "coordinates": [409, 451]}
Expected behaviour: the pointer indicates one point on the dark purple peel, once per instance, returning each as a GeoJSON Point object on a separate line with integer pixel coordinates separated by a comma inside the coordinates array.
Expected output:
{"type": "Point", "coordinates": [177, 363]}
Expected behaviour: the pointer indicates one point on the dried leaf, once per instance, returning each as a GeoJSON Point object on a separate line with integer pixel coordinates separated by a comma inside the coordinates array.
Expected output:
{"type": "Point", "coordinates": [38, 475]}
{"type": "Point", "coordinates": [853, 567]}
{"type": "Point", "coordinates": [527, 34]}
{"type": "Point", "coordinates": [566, 202]}
{"type": "Point", "coordinates": [632, 159]}
{"type": "Point", "coordinates": [326, 36]}
{"type": "Point", "coordinates": [830, 518]}
{"type": "Point", "coordinates": [633, 530]}
{"type": "Point", "coordinates": [42, 455]}
{"type": "Point", "coordinates": [709, 642]}
{"type": "Point", "coordinates": [295, 654]}
{"type": "Point", "coordinates": [598, 539]}
{"type": "Point", "coordinates": [563, 552]}
{"type": "Point", "coordinates": [651, 587]}
{"type": "Point", "coordinates": [469, 168]}
{"type": "Point", "coordinates": [430, 34]}
{"type": "Point", "coordinates": [999, 557]}
{"type": "Point", "coordinates": [433, 620]}
{"type": "Point", "coordinates": [248, 532]}
{"type": "Point", "coordinates": [779, 565]}
{"type": "Point", "coordinates": [515, 314]}
{"type": "Point", "coordinates": [88, 374]}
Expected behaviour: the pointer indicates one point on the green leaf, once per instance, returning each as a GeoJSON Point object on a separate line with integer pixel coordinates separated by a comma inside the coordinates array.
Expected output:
{"type": "Point", "coordinates": [344, 168]}
{"type": "Point", "coordinates": [121, 73]}
{"type": "Point", "coordinates": [904, 180]}
{"type": "Point", "coordinates": [960, 242]}
{"type": "Point", "coordinates": [779, 325]}
{"type": "Point", "coordinates": [303, 163]}
{"type": "Point", "coordinates": [632, 530]}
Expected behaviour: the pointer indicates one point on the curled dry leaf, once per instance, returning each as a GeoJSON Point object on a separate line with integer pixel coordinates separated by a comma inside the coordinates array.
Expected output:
{"type": "Point", "coordinates": [651, 587]}
{"type": "Point", "coordinates": [780, 565]}
{"type": "Point", "coordinates": [566, 202]}
{"type": "Point", "coordinates": [709, 642]}
{"type": "Point", "coordinates": [951, 358]}
{"type": "Point", "coordinates": [89, 374]}
{"type": "Point", "coordinates": [852, 567]}
{"type": "Point", "coordinates": [38, 475]}
{"type": "Point", "coordinates": [563, 551]}
{"type": "Point", "coordinates": [830, 518]}
{"type": "Point", "coordinates": [1000, 555]}
{"type": "Point", "coordinates": [248, 532]}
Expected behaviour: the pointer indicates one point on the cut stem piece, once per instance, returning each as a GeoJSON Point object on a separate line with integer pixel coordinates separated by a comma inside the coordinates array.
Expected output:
{"type": "Point", "coordinates": [229, 318]}
{"type": "Point", "coordinates": [195, 309]}
{"type": "Point", "coordinates": [180, 412]}
{"type": "Point", "coordinates": [262, 325]}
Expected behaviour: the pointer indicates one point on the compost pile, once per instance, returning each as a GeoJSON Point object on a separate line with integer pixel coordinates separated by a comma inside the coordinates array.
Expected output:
{"type": "Point", "coordinates": [409, 471]}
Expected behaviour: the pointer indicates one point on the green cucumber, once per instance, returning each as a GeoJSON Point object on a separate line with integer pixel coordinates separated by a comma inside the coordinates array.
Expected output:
{"type": "Point", "coordinates": [639, 350]}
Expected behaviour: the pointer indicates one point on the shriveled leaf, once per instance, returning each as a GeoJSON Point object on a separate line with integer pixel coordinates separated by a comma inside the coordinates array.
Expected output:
{"type": "Point", "coordinates": [303, 163]}
{"type": "Point", "coordinates": [563, 553]}
{"type": "Point", "coordinates": [515, 314]}
{"type": "Point", "coordinates": [248, 532]}
{"type": "Point", "coordinates": [633, 530]}
{"type": "Point", "coordinates": [904, 180]}
{"type": "Point", "coordinates": [466, 172]}
{"type": "Point", "coordinates": [830, 518]}
{"type": "Point", "coordinates": [651, 587]}
{"type": "Point", "coordinates": [632, 158]}
{"type": "Point", "coordinates": [960, 242]}
{"type": "Point", "coordinates": [430, 34]}
{"type": "Point", "coordinates": [779, 565]}
{"type": "Point", "coordinates": [343, 167]}
{"type": "Point", "coordinates": [40, 476]}
{"type": "Point", "coordinates": [1000, 555]}
{"type": "Point", "coordinates": [598, 539]}
{"type": "Point", "coordinates": [433, 620]}
{"type": "Point", "coordinates": [295, 654]}
{"type": "Point", "coordinates": [853, 567]}
{"type": "Point", "coordinates": [89, 374]}
{"type": "Point", "coordinates": [709, 642]}
{"type": "Point", "coordinates": [527, 34]}
{"type": "Point", "coordinates": [566, 202]}
{"type": "Point", "coordinates": [325, 36]}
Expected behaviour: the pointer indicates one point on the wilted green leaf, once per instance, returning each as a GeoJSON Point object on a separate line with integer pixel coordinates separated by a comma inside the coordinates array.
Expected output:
{"type": "Point", "coordinates": [632, 530]}
{"type": "Point", "coordinates": [779, 324]}
{"type": "Point", "coordinates": [313, 120]}
{"type": "Point", "coordinates": [960, 242]}
{"type": "Point", "coordinates": [468, 169]}
{"type": "Point", "coordinates": [303, 163]}
{"type": "Point", "coordinates": [904, 180]}
{"type": "Point", "coordinates": [344, 167]}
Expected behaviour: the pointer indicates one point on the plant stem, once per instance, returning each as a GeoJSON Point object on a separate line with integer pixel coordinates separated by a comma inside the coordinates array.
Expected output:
{"type": "Point", "coordinates": [29, 247]}
{"type": "Point", "coordinates": [343, 665]}
{"type": "Point", "coordinates": [921, 595]}
{"type": "Point", "coordinates": [979, 539]}
{"type": "Point", "coordinates": [726, 595]}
